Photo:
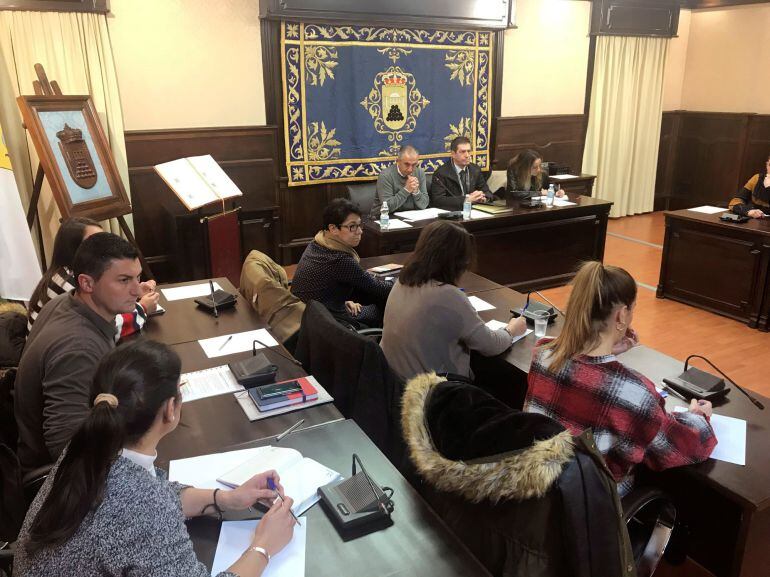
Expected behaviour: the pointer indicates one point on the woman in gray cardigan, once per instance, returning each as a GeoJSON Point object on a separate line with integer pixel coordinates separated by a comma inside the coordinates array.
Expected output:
{"type": "Point", "coordinates": [430, 325]}
{"type": "Point", "coordinates": [106, 510]}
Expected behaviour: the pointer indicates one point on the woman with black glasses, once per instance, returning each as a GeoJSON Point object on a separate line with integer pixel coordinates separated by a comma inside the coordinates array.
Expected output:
{"type": "Point", "coordinates": [330, 271]}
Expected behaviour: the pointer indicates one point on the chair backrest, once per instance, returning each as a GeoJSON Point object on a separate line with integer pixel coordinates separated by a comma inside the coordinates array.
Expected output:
{"type": "Point", "coordinates": [263, 283]}
{"type": "Point", "coordinates": [352, 367]}
{"type": "Point", "coordinates": [363, 195]}
{"type": "Point", "coordinates": [223, 245]}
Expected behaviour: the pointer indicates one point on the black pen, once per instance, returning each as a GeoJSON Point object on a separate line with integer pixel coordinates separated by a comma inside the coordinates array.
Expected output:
{"type": "Point", "coordinates": [213, 300]}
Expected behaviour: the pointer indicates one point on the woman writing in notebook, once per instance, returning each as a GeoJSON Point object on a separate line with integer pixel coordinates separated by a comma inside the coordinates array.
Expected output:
{"type": "Point", "coordinates": [577, 380]}
{"type": "Point", "coordinates": [106, 510]}
{"type": "Point", "coordinates": [525, 175]}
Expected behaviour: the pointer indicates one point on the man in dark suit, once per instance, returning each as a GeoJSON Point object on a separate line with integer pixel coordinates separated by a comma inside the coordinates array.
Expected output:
{"type": "Point", "coordinates": [457, 177]}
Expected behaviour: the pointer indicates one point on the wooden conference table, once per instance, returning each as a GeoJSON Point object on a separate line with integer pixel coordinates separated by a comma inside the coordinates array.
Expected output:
{"type": "Point", "coordinates": [718, 266]}
{"type": "Point", "coordinates": [525, 248]}
{"type": "Point", "coordinates": [418, 543]}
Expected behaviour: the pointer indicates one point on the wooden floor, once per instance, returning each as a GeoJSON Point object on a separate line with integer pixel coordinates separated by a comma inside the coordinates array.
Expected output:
{"type": "Point", "coordinates": [635, 243]}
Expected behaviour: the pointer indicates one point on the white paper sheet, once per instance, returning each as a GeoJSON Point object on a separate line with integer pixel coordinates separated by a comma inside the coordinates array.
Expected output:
{"type": "Point", "coordinates": [562, 176]}
{"type": "Point", "coordinates": [189, 292]}
{"type": "Point", "coordinates": [424, 214]}
{"type": "Point", "coordinates": [235, 538]}
{"type": "Point", "coordinates": [480, 214]}
{"type": "Point", "coordinates": [208, 383]}
{"type": "Point", "coordinates": [496, 325]}
{"type": "Point", "coordinates": [202, 472]}
{"type": "Point", "coordinates": [480, 305]}
{"type": "Point", "coordinates": [563, 202]}
{"type": "Point", "coordinates": [396, 224]}
{"type": "Point", "coordinates": [731, 436]}
{"type": "Point", "coordinates": [239, 343]}
{"type": "Point", "coordinates": [706, 209]}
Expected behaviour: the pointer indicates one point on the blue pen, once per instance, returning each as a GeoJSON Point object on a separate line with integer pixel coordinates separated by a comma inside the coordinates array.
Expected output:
{"type": "Point", "coordinates": [272, 487]}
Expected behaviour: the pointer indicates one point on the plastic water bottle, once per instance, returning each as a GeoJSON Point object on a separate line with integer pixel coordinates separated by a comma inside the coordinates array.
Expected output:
{"type": "Point", "coordinates": [467, 206]}
{"type": "Point", "coordinates": [384, 216]}
{"type": "Point", "coordinates": [550, 196]}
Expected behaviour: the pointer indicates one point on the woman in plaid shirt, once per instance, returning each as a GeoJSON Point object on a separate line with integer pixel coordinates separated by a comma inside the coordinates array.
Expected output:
{"type": "Point", "coordinates": [577, 380]}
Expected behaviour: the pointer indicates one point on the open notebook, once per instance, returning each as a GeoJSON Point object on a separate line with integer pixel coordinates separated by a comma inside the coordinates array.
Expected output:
{"type": "Point", "coordinates": [300, 476]}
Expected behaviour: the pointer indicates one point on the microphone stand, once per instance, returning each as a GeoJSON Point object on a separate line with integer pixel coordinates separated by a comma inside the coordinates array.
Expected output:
{"type": "Point", "coordinates": [278, 352]}
{"type": "Point", "coordinates": [736, 385]}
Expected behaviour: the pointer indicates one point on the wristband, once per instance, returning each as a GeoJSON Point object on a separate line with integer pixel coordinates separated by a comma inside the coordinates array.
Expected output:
{"type": "Point", "coordinates": [262, 551]}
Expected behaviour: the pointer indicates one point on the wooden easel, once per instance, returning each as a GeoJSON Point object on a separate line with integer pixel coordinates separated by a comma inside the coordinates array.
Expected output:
{"type": "Point", "coordinates": [45, 88]}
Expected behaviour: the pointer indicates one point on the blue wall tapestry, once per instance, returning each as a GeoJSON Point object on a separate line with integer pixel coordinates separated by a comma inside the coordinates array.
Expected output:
{"type": "Point", "coordinates": [354, 94]}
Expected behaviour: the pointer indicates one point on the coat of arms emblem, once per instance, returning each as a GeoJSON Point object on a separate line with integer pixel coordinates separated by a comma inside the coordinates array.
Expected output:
{"type": "Point", "coordinates": [394, 103]}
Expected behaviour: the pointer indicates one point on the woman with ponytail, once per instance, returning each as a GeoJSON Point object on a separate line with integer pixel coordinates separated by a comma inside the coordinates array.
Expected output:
{"type": "Point", "coordinates": [577, 380]}
{"type": "Point", "coordinates": [106, 510]}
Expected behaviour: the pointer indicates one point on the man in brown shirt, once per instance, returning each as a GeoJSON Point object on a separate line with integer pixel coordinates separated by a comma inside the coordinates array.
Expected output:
{"type": "Point", "coordinates": [68, 340]}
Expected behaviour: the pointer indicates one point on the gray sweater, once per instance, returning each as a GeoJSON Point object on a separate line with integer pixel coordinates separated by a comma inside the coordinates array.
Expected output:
{"type": "Point", "coordinates": [53, 385]}
{"type": "Point", "coordinates": [390, 189]}
{"type": "Point", "coordinates": [138, 530]}
{"type": "Point", "coordinates": [434, 327]}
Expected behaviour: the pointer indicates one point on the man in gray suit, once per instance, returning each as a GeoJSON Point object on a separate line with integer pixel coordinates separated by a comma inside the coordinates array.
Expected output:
{"type": "Point", "coordinates": [401, 185]}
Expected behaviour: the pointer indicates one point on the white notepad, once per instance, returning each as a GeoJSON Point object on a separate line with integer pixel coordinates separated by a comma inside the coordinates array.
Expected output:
{"type": "Point", "coordinates": [496, 325]}
{"type": "Point", "coordinates": [189, 292]}
{"type": "Point", "coordinates": [239, 343]}
{"type": "Point", "coordinates": [706, 209]}
{"type": "Point", "coordinates": [395, 224]}
{"type": "Point", "coordinates": [424, 214]}
{"type": "Point", "coordinates": [208, 383]}
{"type": "Point", "coordinates": [235, 537]}
{"type": "Point", "coordinates": [300, 476]}
{"type": "Point", "coordinates": [480, 305]}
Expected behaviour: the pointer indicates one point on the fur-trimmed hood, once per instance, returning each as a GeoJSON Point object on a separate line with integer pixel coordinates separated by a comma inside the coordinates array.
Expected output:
{"type": "Point", "coordinates": [462, 440]}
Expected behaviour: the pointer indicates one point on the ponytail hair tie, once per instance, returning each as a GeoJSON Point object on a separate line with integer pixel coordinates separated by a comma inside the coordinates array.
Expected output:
{"type": "Point", "coordinates": [111, 400]}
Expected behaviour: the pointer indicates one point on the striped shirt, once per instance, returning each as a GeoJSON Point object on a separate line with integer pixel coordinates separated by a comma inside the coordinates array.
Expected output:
{"type": "Point", "coordinates": [62, 282]}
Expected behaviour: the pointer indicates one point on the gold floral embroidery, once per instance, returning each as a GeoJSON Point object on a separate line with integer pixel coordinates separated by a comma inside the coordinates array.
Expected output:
{"type": "Point", "coordinates": [320, 62]}
{"type": "Point", "coordinates": [321, 142]}
{"type": "Point", "coordinates": [462, 64]}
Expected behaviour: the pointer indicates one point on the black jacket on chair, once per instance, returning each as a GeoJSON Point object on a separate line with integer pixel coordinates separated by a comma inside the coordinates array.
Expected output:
{"type": "Point", "coordinates": [353, 369]}
{"type": "Point", "coordinates": [527, 498]}
{"type": "Point", "coordinates": [446, 191]}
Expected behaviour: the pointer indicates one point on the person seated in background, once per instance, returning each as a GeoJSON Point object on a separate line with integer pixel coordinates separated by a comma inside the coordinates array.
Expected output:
{"type": "Point", "coordinates": [329, 270]}
{"type": "Point", "coordinates": [525, 175]}
{"type": "Point", "coordinates": [430, 325]}
{"type": "Point", "coordinates": [106, 510]}
{"type": "Point", "coordinates": [458, 177]}
{"type": "Point", "coordinates": [753, 200]}
{"type": "Point", "coordinates": [58, 278]}
{"type": "Point", "coordinates": [402, 184]}
{"type": "Point", "coordinates": [577, 380]}
{"type": "Point", "coordinates": [73, 332]}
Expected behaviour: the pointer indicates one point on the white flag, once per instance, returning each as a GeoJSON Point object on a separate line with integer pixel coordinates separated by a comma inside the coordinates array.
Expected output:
{"type": "Point", "coordinates": [19, 267]}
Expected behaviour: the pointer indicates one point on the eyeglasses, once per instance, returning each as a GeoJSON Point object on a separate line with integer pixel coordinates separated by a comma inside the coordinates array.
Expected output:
{"type": "Point", "coordinates": [352, 227]}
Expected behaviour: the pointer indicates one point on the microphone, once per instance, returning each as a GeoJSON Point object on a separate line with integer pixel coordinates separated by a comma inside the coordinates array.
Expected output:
{"type": "Point", "coordinates": [278, 352]}
{"type": "Point", "coordinates": [737, 386]}
{"type": "Point", "coordinates": [557, 309]}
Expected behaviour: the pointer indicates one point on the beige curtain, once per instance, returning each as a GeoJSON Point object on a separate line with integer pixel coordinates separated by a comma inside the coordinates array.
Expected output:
{"type": "Point", "coordinates": [75, 50]}
{"type": "Point", "coordinates": [624, 123]}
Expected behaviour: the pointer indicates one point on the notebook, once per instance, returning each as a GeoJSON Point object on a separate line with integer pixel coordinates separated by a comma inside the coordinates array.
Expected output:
{"type": "Point", "coordinates": [300, 476]}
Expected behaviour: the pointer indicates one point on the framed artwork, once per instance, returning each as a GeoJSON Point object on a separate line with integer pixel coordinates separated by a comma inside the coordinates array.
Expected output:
{"type": "Point", "coordinates": [75, 156]}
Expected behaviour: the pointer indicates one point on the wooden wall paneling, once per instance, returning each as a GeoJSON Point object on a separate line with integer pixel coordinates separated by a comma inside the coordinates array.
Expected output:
{"type": "Point", "coordinates": [667, 159]}
{"type": "Point", "coordinates": [559, 138]}
{"type": "Point", "coordinates": [165, 231]}
{"type": "Point", "coordinates": [709, 156]}
{"type": "Point", "coordinates": [757, 147]}
{"type": "Point", "coordinates": [635, 17]}
{"type": "Point", "coordinates": [426, 13]}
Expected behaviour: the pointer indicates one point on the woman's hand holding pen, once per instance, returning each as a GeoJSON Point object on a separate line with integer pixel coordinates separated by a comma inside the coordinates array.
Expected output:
{"type": "Point", "coordinates": [517, 326]}
{"type": "Point", "coordinates": [255, 489]}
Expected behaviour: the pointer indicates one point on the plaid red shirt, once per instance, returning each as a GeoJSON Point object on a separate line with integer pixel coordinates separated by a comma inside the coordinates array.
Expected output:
{"type": "Point", "coordinates": [624, 411]}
